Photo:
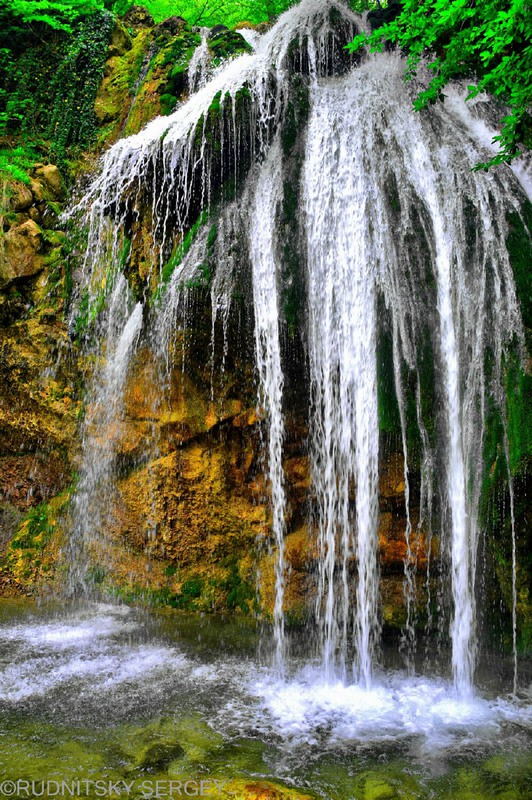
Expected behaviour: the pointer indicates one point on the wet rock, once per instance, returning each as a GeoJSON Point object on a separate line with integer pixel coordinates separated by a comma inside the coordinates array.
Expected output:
{"type": "Point", "coordinates": [12, 307]}
{"type": "Point", "coordinates": [21, 198]}
{"type": "Point", "coordinates": [171, 26]}
{"type": "Point", "coordinates": [392, 477]}
{"type": "Point", "coordinates": [262, 790]}
{"type": "Point", "coordinates": [225, 43]}
{"type": "Point", "coordinates": [36, 412]}
{"type": "Point", "coordinates": [10, 519]}
{"type": "Point", "coordinates": [50, 177]}
{"type": "Point", "coordinates": [20, 255]}
{"type": "Point", "coordinates": [217, 31]}
{"type": "Point", "coordinates": [138, 17]}
{"type": "Point", "coordinates": [120, 41]}
{"type": "Point", "coordinates": [32, 478]}
{"type": "Point", "coordinates": [158, 756]}
{"type": "Point", "coordinates": [37, 191]}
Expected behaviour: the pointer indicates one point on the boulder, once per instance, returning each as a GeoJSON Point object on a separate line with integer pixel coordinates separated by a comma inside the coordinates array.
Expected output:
{"type": "Point", "coordinates": [50, 177]}
{"type": "Point", "coordinates": [171, 26]}
{"type": "Point", "coordinates": [21, 198]}
{"type": "Point", "coordinates": [19, 257]}
{"type": "Point", "coordinates": [138, 17]}
{"type": "Point", "coordinates": [37, 191]}
{"type": "Point", "coordinates": [120, 41]}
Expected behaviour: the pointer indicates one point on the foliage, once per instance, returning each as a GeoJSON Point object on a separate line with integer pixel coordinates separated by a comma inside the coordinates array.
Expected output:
{"type": "Point", "coordinates": [76, 83]}
{"type": "Point", "coordinates": [211, 12]}
{"type": "Point", "coordinates": [58, 14]}
{"type": "Point", "coordinates": [489, 40]}
{"type": "Point", "coordinates": [51, 81]}
{"type": "Point", "coordinates": [16, 163]}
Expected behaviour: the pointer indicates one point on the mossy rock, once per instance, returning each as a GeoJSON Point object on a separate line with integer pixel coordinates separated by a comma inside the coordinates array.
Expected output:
{"type": "Point", "coordinates": [377, 788]}
{"type": "Point", "coordinates": [41, 752]}
{"type": "Point", "coordinates": [197, 738]}
{"type": "Point", "coordinates": [224, 44]}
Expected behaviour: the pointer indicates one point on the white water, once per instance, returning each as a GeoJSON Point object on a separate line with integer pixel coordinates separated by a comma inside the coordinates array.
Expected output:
{"type": "Point", "coordinates": [107, 662]}
{"type": "Point", "coordinates": [92, 501]}
{"type": "Point", "coordinates": [389, 210]}
{"type": "Point", "coordinates": [428, 160]}
{"type": "Point", "coordinates": [268, 195]}
{"type": "Point", "coordinates": [199, 67]}
{"type": "Point", "coordinates": [343, 371]}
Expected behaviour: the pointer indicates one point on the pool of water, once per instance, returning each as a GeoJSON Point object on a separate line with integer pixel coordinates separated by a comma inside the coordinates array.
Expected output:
{"type": "Point", "coordinates": [148, 703]}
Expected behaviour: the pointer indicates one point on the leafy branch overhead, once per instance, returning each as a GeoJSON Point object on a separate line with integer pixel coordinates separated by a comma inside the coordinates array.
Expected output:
{"type": "Point", "coordinates": [489, 41]}
{"type": "Point", "coordinates": [60, 14]}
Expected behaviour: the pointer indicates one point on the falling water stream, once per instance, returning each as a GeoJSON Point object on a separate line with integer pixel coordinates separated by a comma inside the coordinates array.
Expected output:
{"type": "Point", "coordinates": [390, 213]}
{"type": "Point", "coordinates": [395, 239]}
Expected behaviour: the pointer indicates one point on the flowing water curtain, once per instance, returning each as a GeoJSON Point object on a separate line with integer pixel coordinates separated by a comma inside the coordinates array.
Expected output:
{"type": "Point", "coordinates": [390, 210]}
{"type": "Point", "coordinates": [458, 218]}
{"type": "Point", "coordinates": [343, 370]}
{"type": "Point", "coordinates": [93, 501]}
{"type": "Point", "coordinates": [165, 175]}
{"type": "Point", "coordinates": [263, 246]}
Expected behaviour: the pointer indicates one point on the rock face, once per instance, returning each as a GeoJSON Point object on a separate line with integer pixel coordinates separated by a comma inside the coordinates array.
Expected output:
{"type": "Point", "coordinates": [20, 258]}
{"type": "Point", "coordinates": [38, 407]}
{"type": "Point", "coordinates": [146, 76]}
{"type": "Point", "coordinates": [190, 520]}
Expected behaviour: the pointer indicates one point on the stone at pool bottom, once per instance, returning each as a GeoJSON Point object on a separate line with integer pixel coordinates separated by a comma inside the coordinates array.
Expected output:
{"type": "Point", "coordinates": [187, 748]}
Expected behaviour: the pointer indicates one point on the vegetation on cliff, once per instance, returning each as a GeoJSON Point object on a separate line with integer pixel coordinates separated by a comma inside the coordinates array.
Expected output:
{"type": "Point", "coordinates": [76, 79]}
{"type": "Point", "coordinates": [487, 41]}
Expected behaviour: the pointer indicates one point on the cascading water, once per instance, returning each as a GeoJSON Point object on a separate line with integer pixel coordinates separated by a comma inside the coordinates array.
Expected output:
{"type": "Point", "coordinates": [94, 496]}
{"type": "Point", "coordinates": [268, 195]}
{"type": "Point", "coordinates": [390, 217]}
{"type": "Point", "coordinates": [343, 370]}
{"type": "Point", "coordinates": [198, 69]}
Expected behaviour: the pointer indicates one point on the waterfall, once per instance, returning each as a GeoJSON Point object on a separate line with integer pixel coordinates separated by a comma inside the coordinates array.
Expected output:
{"type": "Point", "coordinates": [268, 194]}
{"type": "Point", "coordinates": [94, 495]}
{"type": "Point", "coordinates": [396, 235]}
{"type": "Point", "coordinates": [198, 69]}
{"type": "Point", "coordinates": [343, 370]}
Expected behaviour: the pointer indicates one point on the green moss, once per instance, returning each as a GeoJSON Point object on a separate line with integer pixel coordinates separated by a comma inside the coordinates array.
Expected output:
{"type": "Point", "coordinates": [240, 593]}
{"type": "Point", "coordinates": [227, 44]}
{"type": "Point", "coordinates": [203, 276]}
{"type": "Point", "coordinates": [191, 590]}
{"type": "Point", "coordinates": [116, 93]}
{"type": "Point", "coordinates": [36, 531]}
{"type": "Point", "coordinates": [388, 409]}
{"type": "Point", "coordinates": [168, 103]}
{"type": "Point", "coordinates": [519, 246]}
{"type": "Point", "coordinates": [29, 557]}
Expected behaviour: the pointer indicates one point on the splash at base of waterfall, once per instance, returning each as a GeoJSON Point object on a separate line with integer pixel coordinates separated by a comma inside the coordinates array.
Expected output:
{"type": "Point", "coordinates": [104, 664]}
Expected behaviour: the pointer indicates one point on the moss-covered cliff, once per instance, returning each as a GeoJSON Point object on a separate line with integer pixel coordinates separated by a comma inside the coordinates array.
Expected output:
{"type": "Point", "coordinates": [189, 526]}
